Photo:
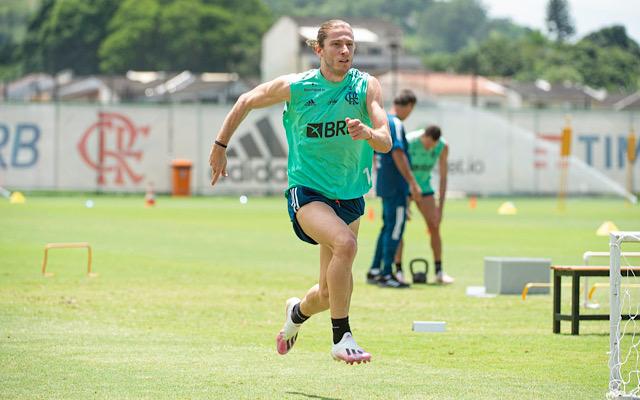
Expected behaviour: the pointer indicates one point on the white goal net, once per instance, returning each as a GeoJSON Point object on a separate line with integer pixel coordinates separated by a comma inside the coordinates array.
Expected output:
{"type": "Point", "coordinates": [624, 330]}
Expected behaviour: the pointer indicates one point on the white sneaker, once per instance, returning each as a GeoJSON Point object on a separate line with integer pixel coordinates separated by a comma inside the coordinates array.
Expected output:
{"type": "Point", "coordinates": [347, 350]}
{"type": "Point", "coordinates": [373, 276]}
{"type": "Point", "coordinates": [400, 277]}
{"type": "Point", "coordinates": [443, 278]}
{"type": "Point", "coordinates": [289, 333]}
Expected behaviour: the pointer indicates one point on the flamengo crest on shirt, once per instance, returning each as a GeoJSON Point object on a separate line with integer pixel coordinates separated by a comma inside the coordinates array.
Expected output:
{"type": "Point", "coordinates": [351, 97]}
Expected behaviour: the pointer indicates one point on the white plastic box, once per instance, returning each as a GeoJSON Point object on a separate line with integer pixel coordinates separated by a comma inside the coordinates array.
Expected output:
{"type": "Point", "coordinates": [508, 275]}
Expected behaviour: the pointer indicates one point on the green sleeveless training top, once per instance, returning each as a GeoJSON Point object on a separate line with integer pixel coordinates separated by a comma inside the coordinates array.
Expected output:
{"type": "Point", "coordinates": [423, 161]}
{"type": "Point", "coordinates": [322, 155]}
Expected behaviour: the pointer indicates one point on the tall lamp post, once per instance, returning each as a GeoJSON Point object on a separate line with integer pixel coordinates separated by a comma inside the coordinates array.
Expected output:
{"type": "Point", "coordinates": [395, 47]}
{"type": "Point", "coordinates": [474, 82]}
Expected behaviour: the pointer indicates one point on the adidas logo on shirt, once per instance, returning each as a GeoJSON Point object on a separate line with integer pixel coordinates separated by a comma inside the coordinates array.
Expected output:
{"type": "Point", "coordinates": [310, 103]}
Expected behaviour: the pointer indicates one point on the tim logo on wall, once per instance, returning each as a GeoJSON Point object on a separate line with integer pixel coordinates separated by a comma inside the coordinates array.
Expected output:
{"type": "Point", "coordinates": [108, 147]}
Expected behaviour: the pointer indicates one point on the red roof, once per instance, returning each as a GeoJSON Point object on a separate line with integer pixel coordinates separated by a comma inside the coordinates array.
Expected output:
{"type": "Point", "coordinates": [442, 83]}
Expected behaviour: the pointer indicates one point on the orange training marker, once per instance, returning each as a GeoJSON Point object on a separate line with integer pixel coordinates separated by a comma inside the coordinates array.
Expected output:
{"type": "Point", "coordinates": [150, 197]}
{"type": "Point", "coordinates": [473, 202]}
{"type": "Point", "coordinates": [371, 214]}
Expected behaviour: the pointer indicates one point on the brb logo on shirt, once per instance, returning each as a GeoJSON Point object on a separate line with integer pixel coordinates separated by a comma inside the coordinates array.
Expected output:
{"type": "Point", "coordinates": [327, 129]}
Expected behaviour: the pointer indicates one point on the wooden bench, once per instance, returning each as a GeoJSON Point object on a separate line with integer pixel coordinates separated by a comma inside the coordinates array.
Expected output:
{"type": "Point", "coordinates": [575, 272]}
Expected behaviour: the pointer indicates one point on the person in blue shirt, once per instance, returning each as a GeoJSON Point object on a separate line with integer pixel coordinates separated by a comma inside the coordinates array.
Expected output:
{"type": "Point", "coordinates": [394, 182]}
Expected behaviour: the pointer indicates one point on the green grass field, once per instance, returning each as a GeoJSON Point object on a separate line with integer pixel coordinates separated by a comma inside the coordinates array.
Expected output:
{"type": "Point", "coordinates": [190, 296]}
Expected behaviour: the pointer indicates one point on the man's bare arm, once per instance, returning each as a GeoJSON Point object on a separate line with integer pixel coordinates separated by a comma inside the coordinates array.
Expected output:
{"type": "Point", "coordinates": [443, 177]}
{"type": "Point", "coordinates": [263, 95]}
{"type": "Point", "coordinates": [402, 163]}
{"type": "Point", "coordinates": [376, 135]}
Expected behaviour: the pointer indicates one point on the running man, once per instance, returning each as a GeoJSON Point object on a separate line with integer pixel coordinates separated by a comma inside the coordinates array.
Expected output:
{"type": "Point", "coordinates": [394, 182]}
{"type": "Point", "coordinates": [425, 150]}
{"type": "Point", "coordinates": [334, 120]}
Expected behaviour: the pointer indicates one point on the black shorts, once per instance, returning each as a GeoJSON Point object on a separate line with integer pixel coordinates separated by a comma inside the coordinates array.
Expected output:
{"type": "Point", "coordinates": [298, 196]}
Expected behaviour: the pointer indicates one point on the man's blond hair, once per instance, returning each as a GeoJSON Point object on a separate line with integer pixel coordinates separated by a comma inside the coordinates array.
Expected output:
{"type": "Point", "coordinates": [323, 32]}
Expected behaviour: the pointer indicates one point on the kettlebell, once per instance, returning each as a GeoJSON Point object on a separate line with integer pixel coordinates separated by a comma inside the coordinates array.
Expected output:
{"type": "Point", "coordinates": [419, 276]}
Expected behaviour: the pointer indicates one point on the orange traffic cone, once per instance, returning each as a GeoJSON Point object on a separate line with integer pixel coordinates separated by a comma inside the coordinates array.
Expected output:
{"type": "Point", "coordinates": [473, 202]}
{"type": "Point", "coordinates": [150, 197]}
{"type": "Point", "coordinates": [371, 215]}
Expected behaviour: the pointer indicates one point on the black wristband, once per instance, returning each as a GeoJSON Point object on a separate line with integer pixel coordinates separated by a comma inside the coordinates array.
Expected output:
{"type": "Point", "coordinates": [220, 144]}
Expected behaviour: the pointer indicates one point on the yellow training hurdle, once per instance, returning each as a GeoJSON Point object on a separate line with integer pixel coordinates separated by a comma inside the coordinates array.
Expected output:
{"type": "Point", "coordinates": [66, 246]}
{"type": "Point", "coordinates": [530, 285]}
{"type": "Point", "coordinates": [606, 284]}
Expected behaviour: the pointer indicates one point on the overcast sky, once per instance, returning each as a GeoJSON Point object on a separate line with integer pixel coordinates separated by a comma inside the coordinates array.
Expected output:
{"type": "Point", "coordinates": [588, 15]}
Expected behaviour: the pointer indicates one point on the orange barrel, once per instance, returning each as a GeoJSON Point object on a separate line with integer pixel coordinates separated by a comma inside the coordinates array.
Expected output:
{"type": "Point", "coordinates": [181, 177]}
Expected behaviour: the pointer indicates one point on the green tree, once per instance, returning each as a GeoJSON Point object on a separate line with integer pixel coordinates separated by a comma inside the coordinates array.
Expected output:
{"type": "Point", "coordinates": [557, 64]}
{"type": "Point", "coordinates": [14, 18]}
{"type": "Point", "coordinates": [439, 61]}
{"type": "Point", "coordinates": [32, 51]}
{"type": "Point", "coordinates": [198, 35]}
{"type": "Point", "coordinates": [497, 55]}
{"type": "Point", "coordinates": [614, 36]}
{"type": "Point", "coordinates": [504, 27]}
{"type": "Point", "coordinates": [609, 67]}
{"type": "Point", "coordinates": [467, 60]}
{"type": "Point", "coordinates": [500, 56]}
{"type": "Point", "coordinates": [132, 40]}
{"type": "Point", "coordinates": [559, 23]}
{"type": "Point", "coordinates": [561, 74]}
{"type": "Point", "coordinates": [534, 49]}
{"type": "Point", "coordinates": [450, 26]}
{"type": "Point", "coordinates": [404, 13]}
{"type": "Point", "coordinates": [116, 35]}
{"type": "Point", "coordinates": [66, 35]}
{"type": "Point", "coordinates": [9, 66]}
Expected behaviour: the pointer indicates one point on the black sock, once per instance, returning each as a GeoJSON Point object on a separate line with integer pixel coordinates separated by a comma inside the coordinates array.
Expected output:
{"type": "Point", "coordinates": [438, 266]}
{"type": "Point", "coordinates": [340, 327]}
{"type": "Point", "coordinates": [399, 267]}
{"type": "Point", "coordinates": [297, 316]}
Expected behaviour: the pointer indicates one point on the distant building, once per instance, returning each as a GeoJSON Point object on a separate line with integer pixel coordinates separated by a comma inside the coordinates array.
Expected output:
{"type": "Point", "coordinates": [569, 96]}
{"type": "Point", "coordinates": [542, 94]}
{"type": "Point", "coordinates": [441, 86]}
{"type": "Point", "coordinates": [284, 48]}
{"type": "Point", "coordinates": [620, 101]}
{"type": "Point", "coordinates": [136, 86]}
{"type": "Point", "coordinates": [31, 87]}
{"type": "Point", "coordinates": [187, 87]}
{"type": "Point", "coordinates": [433, 87]}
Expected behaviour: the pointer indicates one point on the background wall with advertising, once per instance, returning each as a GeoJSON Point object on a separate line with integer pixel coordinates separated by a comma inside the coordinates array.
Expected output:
{"type": "Point", "coordinates": [123, 148]}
